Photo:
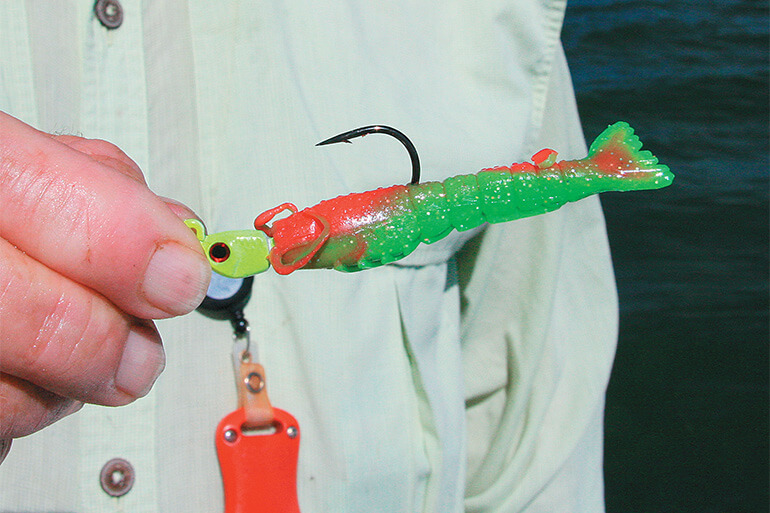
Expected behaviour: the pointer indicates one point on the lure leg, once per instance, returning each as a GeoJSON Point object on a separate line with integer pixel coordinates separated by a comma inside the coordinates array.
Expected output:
{"type": "Point", "coordinates": [260, 223]}
{"type": "Point", "coordinates": [288, 258]}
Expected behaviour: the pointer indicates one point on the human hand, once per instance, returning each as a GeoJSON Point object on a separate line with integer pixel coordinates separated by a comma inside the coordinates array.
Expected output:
{"type": "Point", "coordinates": [88, 257]}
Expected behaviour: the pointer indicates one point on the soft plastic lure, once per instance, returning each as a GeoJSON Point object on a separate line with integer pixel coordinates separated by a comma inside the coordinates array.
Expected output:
{"type": "Point", "coordinates": [368, 229]}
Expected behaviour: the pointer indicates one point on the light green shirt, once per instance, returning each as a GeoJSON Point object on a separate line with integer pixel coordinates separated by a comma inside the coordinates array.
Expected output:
{"type": "Point", "coordinates": [449, 382]}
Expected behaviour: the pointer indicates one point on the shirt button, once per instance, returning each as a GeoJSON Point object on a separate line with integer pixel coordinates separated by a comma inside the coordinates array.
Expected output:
{"type": "Point", "coordinates": [117, 477]}
{"type": "Point", "coordinates": [109, 13]}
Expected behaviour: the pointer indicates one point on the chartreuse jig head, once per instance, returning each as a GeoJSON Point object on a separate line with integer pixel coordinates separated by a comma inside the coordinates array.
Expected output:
{"type": "Point", "coordinates": [236, 253]}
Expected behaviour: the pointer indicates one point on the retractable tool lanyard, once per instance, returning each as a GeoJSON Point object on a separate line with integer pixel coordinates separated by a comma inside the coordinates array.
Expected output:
{"type": "Point", "coordinates": [257, 445]}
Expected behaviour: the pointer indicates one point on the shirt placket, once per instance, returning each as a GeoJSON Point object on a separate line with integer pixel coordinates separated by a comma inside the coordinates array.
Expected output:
{"type": "Point", "coordinates": [117, 445]}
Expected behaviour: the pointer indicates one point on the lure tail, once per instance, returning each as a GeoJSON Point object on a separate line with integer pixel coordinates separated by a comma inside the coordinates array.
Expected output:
{"type": "Point", "coordinates": [616, 162]}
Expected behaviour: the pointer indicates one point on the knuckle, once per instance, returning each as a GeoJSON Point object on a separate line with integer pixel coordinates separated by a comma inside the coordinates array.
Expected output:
{"type": "Point", "coordinates": [82, 337]}
{"type": "Point", "coordinates": [33, 191]}
{"type": "Point", "coordinates": [25, 180]}
{"type": "Point", "coordinates": [61, 330]}
{"type": "Point", "coordinates": [108, 154]}
{"type": "Point", "coordinates": [102, 147]}
{"type": "Point", "coordinates": [50, 333]}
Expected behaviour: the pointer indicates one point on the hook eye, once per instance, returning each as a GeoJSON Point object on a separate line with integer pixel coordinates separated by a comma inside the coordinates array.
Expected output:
{"type": "Point", "coordinates": [219, 252]}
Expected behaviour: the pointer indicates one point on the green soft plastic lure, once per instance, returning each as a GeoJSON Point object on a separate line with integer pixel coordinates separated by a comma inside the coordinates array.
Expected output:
{"type": "Point", "coordinates": [368, 229]}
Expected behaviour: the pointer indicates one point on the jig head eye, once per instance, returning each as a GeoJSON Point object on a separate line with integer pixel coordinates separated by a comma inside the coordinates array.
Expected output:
{"type": "Point", "coordinates": [219, 252]}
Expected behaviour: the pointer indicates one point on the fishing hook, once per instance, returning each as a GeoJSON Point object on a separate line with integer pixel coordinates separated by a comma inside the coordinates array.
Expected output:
{"type": "Point", "coordinates": [371, 129]}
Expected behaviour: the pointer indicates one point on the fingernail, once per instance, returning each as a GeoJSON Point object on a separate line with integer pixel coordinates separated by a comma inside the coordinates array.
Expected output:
{"type": "Point", "coordinates": [142, 362]}
{"type": "Point", "coordinates": [176, 279]}
{"type": "Point", "coordinates": [181, 210]}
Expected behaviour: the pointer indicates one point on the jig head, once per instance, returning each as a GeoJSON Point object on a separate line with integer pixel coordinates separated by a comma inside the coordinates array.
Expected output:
{"type": "Point", "coordinates": [236, 253]}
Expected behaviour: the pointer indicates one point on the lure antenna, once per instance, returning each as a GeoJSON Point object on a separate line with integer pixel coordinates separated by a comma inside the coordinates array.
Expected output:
{"type": "Point", "coordinates": [372, 129]}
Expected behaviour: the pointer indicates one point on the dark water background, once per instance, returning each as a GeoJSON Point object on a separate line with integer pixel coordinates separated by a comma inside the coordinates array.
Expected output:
{"type": "Point", "coordinates": [687, 413]}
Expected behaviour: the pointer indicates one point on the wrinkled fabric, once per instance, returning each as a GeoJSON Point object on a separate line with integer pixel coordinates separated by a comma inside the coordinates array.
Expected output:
{"type": "Point", "coordinates": [468, 377]}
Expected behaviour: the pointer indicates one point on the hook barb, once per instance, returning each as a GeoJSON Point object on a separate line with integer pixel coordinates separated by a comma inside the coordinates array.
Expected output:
{"type": "Point", "coordinates": [373, 129]}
